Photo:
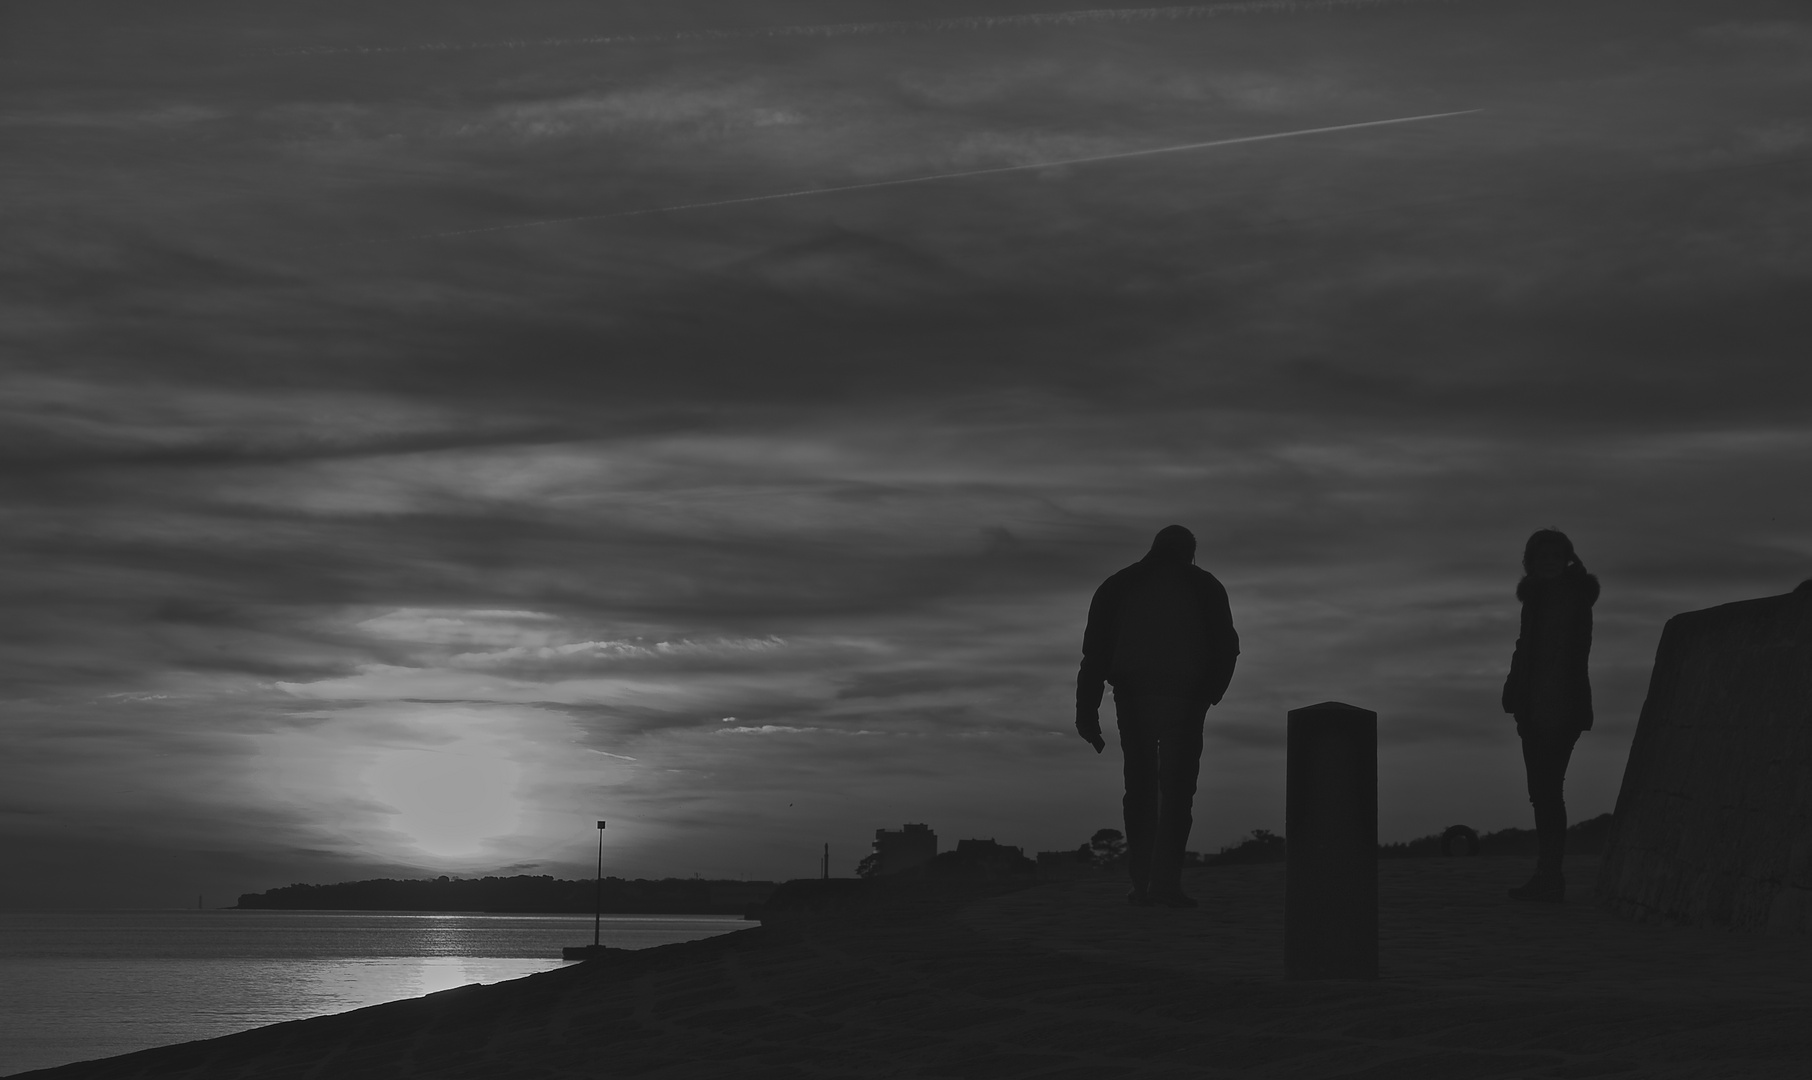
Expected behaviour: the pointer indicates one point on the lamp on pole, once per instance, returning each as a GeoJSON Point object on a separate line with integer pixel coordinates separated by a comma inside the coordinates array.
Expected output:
{"type": "Point", "coordinates": [595, 950]}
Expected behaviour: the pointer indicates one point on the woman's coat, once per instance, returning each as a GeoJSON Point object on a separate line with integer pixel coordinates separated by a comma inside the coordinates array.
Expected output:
{"type": "Point", "coordinates": [1548, 689]}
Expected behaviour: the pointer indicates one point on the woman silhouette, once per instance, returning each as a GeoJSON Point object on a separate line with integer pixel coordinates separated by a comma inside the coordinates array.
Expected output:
{"type": "Point", "coordinates": [1549, 692]}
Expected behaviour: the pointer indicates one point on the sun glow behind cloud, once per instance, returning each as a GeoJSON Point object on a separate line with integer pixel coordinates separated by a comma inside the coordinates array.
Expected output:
{"type": "Point", "coordinates": [448, 785]}
{"type": "Point", "coordinates": [451, 800]}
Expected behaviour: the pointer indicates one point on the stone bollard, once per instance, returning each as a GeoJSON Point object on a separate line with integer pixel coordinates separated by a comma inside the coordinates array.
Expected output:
{"type": "Point", "coordinates": [1331, 827]}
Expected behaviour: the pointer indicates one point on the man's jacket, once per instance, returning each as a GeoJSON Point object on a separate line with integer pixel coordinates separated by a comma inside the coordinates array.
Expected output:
{"type": "Point", "coordinates": [1159, 628]}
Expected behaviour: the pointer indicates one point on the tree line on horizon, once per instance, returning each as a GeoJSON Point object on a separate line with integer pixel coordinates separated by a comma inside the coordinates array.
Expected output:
{"type": "Point", "coordinates": [1105, 851]}
{"type": "Point", "coordinates": [1584, 837]}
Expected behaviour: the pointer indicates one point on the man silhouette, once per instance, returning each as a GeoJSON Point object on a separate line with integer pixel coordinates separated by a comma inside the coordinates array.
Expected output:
{"type": "Point", "coordinates": [1161, 632]}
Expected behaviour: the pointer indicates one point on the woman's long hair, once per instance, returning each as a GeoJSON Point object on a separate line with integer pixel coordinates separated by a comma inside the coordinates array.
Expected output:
{"type": "Point", "coordinates": [1542, 538]}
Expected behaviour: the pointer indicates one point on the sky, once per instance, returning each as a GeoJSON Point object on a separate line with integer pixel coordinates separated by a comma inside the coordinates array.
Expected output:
{"type": "Point", "coordinates": [393, 487]}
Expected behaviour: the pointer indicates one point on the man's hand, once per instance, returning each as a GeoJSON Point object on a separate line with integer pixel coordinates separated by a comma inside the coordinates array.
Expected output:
{"type": "Point", "coordinates": [1089, 727]}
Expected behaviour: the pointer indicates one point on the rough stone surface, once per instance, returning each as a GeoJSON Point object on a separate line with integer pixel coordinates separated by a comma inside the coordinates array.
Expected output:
{"type": "Point", "coordinates": [1714, 820]}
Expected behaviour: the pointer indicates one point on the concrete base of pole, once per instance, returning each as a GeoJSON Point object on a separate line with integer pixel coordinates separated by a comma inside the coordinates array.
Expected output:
{"type": "Point", "coordinates": [592, 952]}
{"type": "Point", "coordinates": [1331, 827]}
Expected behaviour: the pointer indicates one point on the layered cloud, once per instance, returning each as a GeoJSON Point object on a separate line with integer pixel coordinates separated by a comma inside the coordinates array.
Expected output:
{"type": "Point", "coordinates": [333, 552]}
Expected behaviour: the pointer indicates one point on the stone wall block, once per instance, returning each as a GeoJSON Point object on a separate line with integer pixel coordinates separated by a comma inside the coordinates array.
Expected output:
{"type": "Point", "coordinates": [1714, 818]}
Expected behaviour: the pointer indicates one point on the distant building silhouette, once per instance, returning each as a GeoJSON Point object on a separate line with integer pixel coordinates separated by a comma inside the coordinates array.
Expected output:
{"type": "Point", "coordinates": [991, 856]}
{"type": "Point", "coordinates": [987, 849]}
{"type": "Point", "coordinates": [980, 860]}
{"type": "Point", "coordinates": [905, 848]}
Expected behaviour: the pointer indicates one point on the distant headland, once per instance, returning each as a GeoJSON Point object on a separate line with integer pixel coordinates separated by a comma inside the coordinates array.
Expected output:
{"type": "Point", "coordinates": [522, 894]}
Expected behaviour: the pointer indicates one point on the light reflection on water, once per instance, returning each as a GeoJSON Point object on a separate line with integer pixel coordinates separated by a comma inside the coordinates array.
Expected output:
{"type": "Point", "coordinates": [78, 985]}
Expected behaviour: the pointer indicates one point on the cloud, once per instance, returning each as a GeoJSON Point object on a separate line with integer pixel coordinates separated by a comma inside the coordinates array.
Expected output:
{"type": "Point", "coordinates": [728, 30]}
{"type": "Point", "coordinates": [691, 113]}
{"type": "Point", "coordinates": [845, 470]}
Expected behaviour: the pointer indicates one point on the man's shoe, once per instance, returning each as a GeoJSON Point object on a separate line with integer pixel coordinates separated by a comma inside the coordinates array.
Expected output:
{"type": "Point", "coordinates": [1140, 898]}
{"type": "Point", "coordinates": [1173, 899]}
{"type": "Point", "coordinates": [1542, 889]}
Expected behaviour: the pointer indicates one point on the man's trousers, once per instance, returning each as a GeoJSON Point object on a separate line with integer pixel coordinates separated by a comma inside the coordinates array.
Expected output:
{"type": "Point", "coordinates": [1161, 738]}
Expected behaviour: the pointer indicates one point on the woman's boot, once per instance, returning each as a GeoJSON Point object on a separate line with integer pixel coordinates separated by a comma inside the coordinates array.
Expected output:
{"type": "Point", "coordinates": [1548, 885]}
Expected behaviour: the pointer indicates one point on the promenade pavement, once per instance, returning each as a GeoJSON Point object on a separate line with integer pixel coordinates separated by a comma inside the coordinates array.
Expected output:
{"type": "Point", "coordinates": [1069, 981]}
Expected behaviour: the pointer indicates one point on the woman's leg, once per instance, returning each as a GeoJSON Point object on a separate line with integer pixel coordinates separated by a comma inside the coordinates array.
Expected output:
{"type": "Point", "coordinates": [1545, 758]}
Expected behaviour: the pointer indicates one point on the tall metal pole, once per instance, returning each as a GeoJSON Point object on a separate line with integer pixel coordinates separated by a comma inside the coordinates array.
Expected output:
{"type": "Point", "coordinates": [597, 907]}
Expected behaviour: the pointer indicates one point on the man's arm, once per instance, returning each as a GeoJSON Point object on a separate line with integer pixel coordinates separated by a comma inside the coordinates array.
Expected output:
{"type": "Point", "coordinates": [1097, 658]}
{"type": "Point", "coordinates": [1223, 640]}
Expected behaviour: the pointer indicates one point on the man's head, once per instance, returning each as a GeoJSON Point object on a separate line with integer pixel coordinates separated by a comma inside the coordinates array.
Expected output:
{"type": "Point", "coordinates": [1172, 544]}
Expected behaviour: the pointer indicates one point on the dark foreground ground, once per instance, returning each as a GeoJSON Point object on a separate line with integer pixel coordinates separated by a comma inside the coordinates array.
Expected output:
{"type": "Point", "coordinates": [1069, 981]}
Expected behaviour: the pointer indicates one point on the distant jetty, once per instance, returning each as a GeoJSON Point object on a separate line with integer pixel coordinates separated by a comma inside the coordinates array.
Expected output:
{"type": "Point", "coordinates": [522, 894]}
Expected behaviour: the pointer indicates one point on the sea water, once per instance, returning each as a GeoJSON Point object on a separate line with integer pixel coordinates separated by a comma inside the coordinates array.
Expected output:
{"type": "Point", "coordinates": [80, 985]}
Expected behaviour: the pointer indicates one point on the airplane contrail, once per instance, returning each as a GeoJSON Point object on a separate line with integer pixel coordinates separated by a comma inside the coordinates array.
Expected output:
{"type": "Point", "coordinates": [931, 177]}
{"type": "Point", "coordinates": [830, 30]}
